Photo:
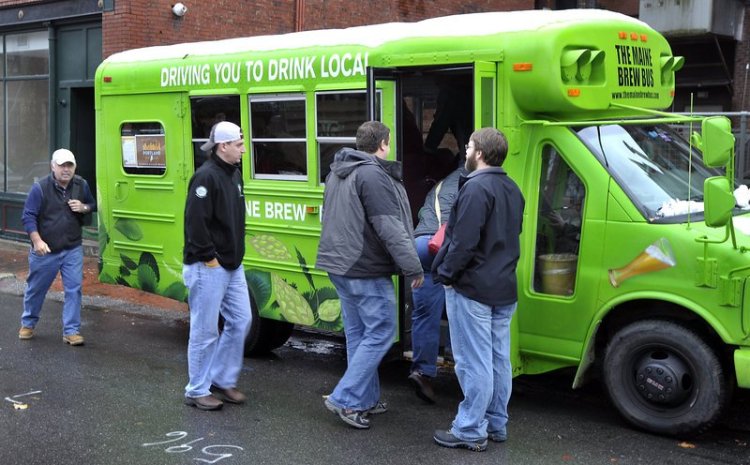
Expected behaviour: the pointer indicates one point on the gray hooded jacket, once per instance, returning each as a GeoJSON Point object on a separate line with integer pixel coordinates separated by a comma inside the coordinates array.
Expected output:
{"type": "Point", "coordinates": [367, 231]}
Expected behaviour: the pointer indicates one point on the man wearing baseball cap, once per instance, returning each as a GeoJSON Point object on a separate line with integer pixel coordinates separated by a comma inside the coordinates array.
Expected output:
{"type": "Point", "coordinates": [53, 217]}
{"type": "Point", "coordinates": [213, 272]}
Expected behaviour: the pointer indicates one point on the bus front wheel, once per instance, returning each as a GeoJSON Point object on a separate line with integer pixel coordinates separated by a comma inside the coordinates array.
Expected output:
{"type": "Point", "coordinates": [664, 378]}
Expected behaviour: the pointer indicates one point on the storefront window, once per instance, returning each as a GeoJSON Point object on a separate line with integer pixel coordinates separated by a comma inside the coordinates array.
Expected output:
{"type": "Point", "coordinates": [28, 136]}
{"type": "Point", "coordinates": [24, 74]}
{"type": "Point", "coordinates": [27, 54]}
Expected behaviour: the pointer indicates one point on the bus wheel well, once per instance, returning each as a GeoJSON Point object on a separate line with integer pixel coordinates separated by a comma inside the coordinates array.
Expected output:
{"type": "Point", "coordinates": [638, 310]}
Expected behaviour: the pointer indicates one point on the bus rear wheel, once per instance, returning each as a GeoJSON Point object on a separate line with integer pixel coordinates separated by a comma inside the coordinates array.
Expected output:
{"type": "Point", "coordinates": [664, 378]}
{"type": "Point", "coordinates": [265, 334]}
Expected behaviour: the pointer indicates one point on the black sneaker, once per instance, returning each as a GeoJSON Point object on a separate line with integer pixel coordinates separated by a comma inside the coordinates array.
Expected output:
{"type": "Point", "coordinates": [447, 439]}
{"type": "Point", "coordinates": [350, 417]}
{"type": "Point", "coordinates": [422, 386]}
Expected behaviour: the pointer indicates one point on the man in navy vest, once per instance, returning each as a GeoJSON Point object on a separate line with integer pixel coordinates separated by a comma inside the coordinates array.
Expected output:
{"type": "Point", "coordinates": [53, 216]}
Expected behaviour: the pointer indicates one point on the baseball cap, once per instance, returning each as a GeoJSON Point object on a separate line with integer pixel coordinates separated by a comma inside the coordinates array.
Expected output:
{"type": "Point", "coordinates": [222, 132]}
{"type": "Point", "coordinates": [62, 156]}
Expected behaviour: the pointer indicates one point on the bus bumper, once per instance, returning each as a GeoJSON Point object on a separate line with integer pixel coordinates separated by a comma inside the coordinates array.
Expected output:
{"type": "Point", "coordinates": [742, 367]}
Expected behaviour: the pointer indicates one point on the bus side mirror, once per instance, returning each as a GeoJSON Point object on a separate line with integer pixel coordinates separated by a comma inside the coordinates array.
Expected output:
{"type": "Point", "coordinates": [718, 201]}
{"type": "Point", "coordinates": [716, 142]}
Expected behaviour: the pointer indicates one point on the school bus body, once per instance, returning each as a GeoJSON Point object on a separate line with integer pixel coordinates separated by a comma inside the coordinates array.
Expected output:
{"type": "Point", "coordinates": [578, 93]}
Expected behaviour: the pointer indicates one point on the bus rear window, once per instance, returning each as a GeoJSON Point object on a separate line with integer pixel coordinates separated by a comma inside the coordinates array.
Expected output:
{"type": "Point", "coordinates": [143, 148]}
{"type": "Point", "coordinates": [279, 137]}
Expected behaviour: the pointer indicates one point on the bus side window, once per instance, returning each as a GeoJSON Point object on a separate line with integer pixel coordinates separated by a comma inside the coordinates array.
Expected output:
{"type": "Point", "coordinates": [279, 136]}
{"type": "Point", "coordinates": [561, 197]}
{"type": "Point", "coordinates": [143, 148]}
{"type": "Point", "coordinates": [205, 112]}
{"type": "Point", "coordinates": [338, 115]}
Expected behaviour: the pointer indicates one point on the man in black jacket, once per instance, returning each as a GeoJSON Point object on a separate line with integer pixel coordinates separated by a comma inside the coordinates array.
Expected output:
{"type": "Point", "coordinates": [213, 272]}
{"type": "Point", "coordinates": [477, 265]}
{"type": "Point", "coordinates": [53, 217]}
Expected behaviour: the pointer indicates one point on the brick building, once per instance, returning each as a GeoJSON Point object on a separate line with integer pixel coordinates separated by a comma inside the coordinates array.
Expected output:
{"type": "Point", "coordinates": [51, 48]}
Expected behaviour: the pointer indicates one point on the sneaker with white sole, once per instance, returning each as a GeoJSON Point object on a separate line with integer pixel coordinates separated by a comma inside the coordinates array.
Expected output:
{"type": "Point", "coordinates": [350, 417]}
{"type": "Point", "coordinates": [380, 407]}
{"type": "Point", "coordinates": [447, 439]}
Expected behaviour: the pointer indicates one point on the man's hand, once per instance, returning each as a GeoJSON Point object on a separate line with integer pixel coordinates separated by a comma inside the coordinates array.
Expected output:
{"type": "Point", "coordinates": [417, 282]}
{"type": "Point", "coordinates": [213, 263]}
{"type": "Point", "coordinates": [78, 206]}
{"type": "Point", "coordinates": [41, 247]}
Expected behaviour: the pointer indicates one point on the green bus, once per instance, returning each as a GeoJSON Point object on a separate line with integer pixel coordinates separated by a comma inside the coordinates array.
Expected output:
{"type": "Point", "coordinates": [632, 269]}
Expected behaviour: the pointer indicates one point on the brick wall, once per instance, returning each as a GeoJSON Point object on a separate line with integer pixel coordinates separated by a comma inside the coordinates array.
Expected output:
{"type": "Point", "coordinates": [141, 23]}
{"type": "Point", "coordinates": [742, 59]}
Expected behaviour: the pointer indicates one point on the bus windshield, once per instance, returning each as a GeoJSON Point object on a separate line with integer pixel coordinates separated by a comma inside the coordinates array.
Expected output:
{"type": "Point", "coordinates": [652, 164]}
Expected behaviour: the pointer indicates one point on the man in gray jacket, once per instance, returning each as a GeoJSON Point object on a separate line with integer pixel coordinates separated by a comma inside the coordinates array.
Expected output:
{"type": "Point", "coordinates": [366, 238]}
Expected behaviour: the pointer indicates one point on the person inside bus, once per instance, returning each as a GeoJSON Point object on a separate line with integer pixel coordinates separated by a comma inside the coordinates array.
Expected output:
{"type": "Point", "coordinates": [453, 112]}
{"type": "Point", "coordinates": [429, 299]}
{"type": "Point", "coordinates": [477, 264]}
{"type": "Point", "coordinates": [53, 217]}
{"type": "Point", "coordinates": [366, 238]}
{"type": "Point", "coordinates": [213, 272]}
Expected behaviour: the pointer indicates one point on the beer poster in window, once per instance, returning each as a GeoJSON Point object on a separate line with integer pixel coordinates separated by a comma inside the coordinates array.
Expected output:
{"type": "Point", "coordinates": [150, 151]}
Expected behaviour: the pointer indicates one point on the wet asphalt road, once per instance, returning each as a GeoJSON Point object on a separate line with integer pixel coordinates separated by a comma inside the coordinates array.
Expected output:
{"type": "Point", "coordinates": [118, 400]}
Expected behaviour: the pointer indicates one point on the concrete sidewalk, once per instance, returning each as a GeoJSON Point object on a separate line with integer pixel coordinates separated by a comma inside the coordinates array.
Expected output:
{"type": "Point", "coordinates": [98, 296]}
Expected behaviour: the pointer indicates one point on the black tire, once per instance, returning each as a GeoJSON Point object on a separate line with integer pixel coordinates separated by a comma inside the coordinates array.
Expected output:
{"type": "Point", "coordinates": [664, 378]}
{"type": "Point", "coordinates": [265, 334]}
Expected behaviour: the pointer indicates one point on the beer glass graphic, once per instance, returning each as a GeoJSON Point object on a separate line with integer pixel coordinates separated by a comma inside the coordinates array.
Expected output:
{"type": "Point", "coordinates": [657, 256]}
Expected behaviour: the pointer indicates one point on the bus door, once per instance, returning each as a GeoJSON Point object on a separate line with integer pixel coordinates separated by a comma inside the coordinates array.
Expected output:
{"type": "Point", "coordinates": [142, 140]}
{"type": "Point", "coordinates": [561, 249]}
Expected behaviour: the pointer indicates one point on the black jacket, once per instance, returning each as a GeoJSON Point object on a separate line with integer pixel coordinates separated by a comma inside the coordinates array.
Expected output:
{"type": "Point", "coordinates": [481, 248]}
{"type": "Point", "coordinates": [215, 215]}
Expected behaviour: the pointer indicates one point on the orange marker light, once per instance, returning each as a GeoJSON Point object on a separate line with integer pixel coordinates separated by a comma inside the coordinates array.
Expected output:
{"type": "Point", "coordinates": [671, 93]}
{"type": "Point", "coordinates": [633, 36]}
{"type": "Point", "coordinates": [622, 35]}
{"type": "Point", "coordinates": [644, 38]}
{"type": "Point", "coordinates": [107, 79]}
{"type": "Point", "coordinates": [574, 92]}
{"type": "Point", "coordinates": [311, 209]}
{"type": "Point", "coordinates": [522, 66]}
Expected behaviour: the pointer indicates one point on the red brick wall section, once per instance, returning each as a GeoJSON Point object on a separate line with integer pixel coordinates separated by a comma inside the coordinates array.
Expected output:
{"type": "Point", "coordinates": [142, 23]}
{"type": "Point", "coordinates": [741, 85]}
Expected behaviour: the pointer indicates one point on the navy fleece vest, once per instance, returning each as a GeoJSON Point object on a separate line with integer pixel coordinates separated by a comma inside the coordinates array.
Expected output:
{"type": "Point", "coordinates": [58, 225]}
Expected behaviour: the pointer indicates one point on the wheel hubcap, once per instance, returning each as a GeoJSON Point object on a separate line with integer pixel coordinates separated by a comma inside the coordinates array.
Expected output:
{"type": "Point", "coordinates": [662, 378]}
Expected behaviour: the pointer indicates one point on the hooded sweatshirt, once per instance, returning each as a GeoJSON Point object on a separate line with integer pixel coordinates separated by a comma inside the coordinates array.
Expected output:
{"type": "Point", "coordinates": [367, 231]}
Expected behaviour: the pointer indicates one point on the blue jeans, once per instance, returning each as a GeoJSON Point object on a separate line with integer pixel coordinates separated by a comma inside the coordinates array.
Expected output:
{"type": "Point", "coordinates": [215, 358]}
{"type": "Point", "coordinates": [429, 300]}
{"type": "Point", "coordinates": [368, 307]}
{"type": "Point", "coordinates": [480, 339]}
{"type": "Point", "coordinates": [42, 272]}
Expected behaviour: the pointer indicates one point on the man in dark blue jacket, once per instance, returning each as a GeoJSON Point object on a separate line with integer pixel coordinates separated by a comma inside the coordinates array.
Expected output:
{"type": "Point", "coordinates": [477, 265]}
{"type": "Point", "coordinates": [213, 272]}
{"type": "Point", "coordinates": [53, 217]}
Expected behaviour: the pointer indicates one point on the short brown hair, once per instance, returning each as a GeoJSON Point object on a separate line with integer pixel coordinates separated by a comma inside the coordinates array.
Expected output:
{"type": "Point", "coordinates": [370, 134]}
{"type": "Point", "coordinates": [493, 145]}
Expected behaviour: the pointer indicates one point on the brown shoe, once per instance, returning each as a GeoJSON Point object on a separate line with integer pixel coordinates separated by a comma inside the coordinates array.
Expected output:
{"type": "Point", "coordinates": [208, 402]}
{"type": "Point", "coordinates": [231, 395]}
{"type": "Point", "coordinates": [73, 339]}
{"type": "Point", "coordinates": [423, 387]}
{"type": "Point", "coordinates": [25, 333]}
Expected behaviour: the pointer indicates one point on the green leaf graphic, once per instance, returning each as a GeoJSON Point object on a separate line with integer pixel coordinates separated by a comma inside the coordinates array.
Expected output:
{"type": "Point", "coordinates": [128, 262]}
{"type": "Point", "coordinates": [176, 291]}
{"type": "Point", "coordinates": [129, 228]}
{"type": "Point", "coordinates": [147, 278]}
{"type": "Point", "coordinates": [147, 258]}
{"type": "Point", "coordinates": [259, 285]}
